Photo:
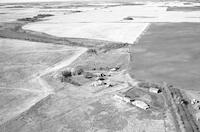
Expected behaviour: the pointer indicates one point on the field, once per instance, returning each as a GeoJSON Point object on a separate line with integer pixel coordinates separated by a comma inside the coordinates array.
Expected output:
{"type": "Point", "coordinates": [170, 54]}
{"type": "Point", "coordinates": [62, 65]}
{"type": "Point", "coordinates": [21, 63]}
{"type": "Point", "coordinates": [109, 23]}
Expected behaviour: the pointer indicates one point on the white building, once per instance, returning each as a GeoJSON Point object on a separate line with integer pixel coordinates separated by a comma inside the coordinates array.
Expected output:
{"type": "Point", "coordinates": [194, 101]}
{"type": "Point", "coordinates": [154, 90]}
{"type": "Point", "coordinates": [140, 104]}
{"type": "Point", "coordinates": [198, 116]}
{"type": "Point", "coordinates": [122, 98]}
{"type": "Point", "coordinates": [98, 83]}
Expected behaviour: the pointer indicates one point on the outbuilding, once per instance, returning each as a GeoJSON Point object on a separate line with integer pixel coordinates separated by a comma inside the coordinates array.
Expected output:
{"type": "Point", "coordinates": [140, 104]}
{"type": "Point", "coordinates": [198, 116]}
{"type": "Point", "coordinates": [194, 101]}
{"type": "Point", "coordinates": [154, 90]}
{"type": "Point", "coordinates": [122, 98]}
{"type": "Point", "coordinates": [99, 78]}
{"type": "Point", "coordinates": [99, 74]}
{"type": "Point", "coordinates": [98, 83]}
{"type": "Point", "coordinates": [115, 68]}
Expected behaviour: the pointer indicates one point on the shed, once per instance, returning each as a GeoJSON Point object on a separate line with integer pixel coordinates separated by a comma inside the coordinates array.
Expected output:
{"type": "Point", "coordinates": [194, 101]}
{"type": "Point", "coordinates": [98, 83]}
{"type": "Point", "coordinates": [99, 78]}
{"type": "Point", "coordinates": [99, 74]}
{"type": "Point", "coordinates": [115, 68]}
{"type": "Point", "coordinates": [122, 98]}
{"type": "Point", "coordinates": [198, 116]}
{"type": "Point", "coordinates": [110, 83]}
{"type": "Point", "coordinates": [140, 104]}
{"type": "Point", "coordinates": [154, 90]}
{"type": "Point", "coordinates": [128, 18]}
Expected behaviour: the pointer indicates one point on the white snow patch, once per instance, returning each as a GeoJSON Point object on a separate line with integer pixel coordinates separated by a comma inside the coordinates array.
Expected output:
{"type": "Point", "coordinates": [119, 32]}
{"type": "Point", "coordinates": [109, 24]}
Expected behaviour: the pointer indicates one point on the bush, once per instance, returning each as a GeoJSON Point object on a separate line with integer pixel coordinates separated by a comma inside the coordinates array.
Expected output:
{"type": "Point", "coordinates": [92, 51]}
{"type": "Point", "coordinates": [78, 71]}
{"type": "Point", "coordinates": [70, 80]}
{"type": "Point", "coordinates": [35, 18]}
{"type": "Point", "coordinates": [43, 15]}
{"type": "Point", "coordinates": [128, 18]}
{"type": "Point", "coordinates": [66, 74]}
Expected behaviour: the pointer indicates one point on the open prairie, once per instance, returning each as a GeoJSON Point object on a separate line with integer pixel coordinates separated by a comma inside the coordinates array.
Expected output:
{"type": "Point", "coordinates": [21, 62]}
{"type": "Point", "coordinates": [99, 66]}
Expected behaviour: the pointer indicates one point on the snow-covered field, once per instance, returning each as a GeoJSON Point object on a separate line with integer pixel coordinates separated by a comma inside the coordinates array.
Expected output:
{"type": "Point", "coordinates": [116, 32]}
{"type": "Point", "coordinates": [109, 24]}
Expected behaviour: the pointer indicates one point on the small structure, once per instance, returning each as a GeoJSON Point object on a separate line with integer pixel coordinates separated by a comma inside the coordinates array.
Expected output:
{"type": "Point", "coordinates": [198, 116]}
{"type": "Point", "coordinates": [194, 101]}
{"type": "Point", "coordinates": [128, 18]}
{"type": "Point", "coordinates": [197, 107]}
{"type": "Point", "coordinates": [122, 98]}
{"type": "Point", "coordinates": [99, 78]}
{"type": "Point", "coordinates": [140, 104]}
{"type": "Point", "coordinates": [154, 90]}
{"type": "Point", "coordinates": [70, 70]}
{"type": "Point", "coordinates": [98, 83]}
{"type": "Point", "coordinates": [115, 68]}
{"type": "Point", "coordinates": [99, 74]}
{"type": "Point", "coordinates": [109, 83]}
{"type": "Point", "coordinates": [73, 71]}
